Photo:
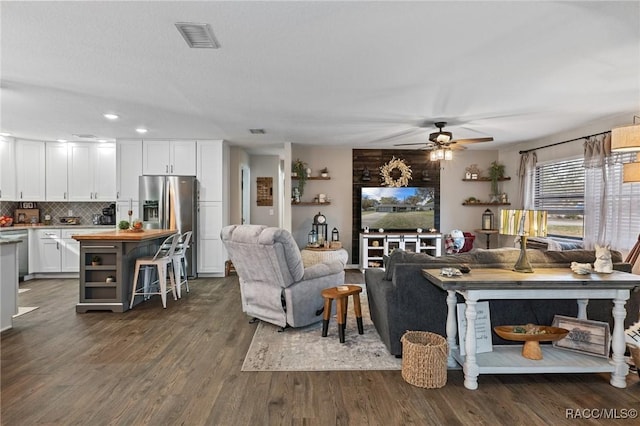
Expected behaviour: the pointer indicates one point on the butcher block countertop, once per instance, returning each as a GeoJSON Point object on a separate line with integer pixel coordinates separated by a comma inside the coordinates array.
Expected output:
{"type": "Point", "coordinates": [120, 235]}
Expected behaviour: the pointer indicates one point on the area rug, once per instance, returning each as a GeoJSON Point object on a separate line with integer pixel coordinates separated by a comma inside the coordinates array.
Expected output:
{"type": "Point", "coordinates": [304, 349]}
{"type": "Point", "coordinates": [25, 310]}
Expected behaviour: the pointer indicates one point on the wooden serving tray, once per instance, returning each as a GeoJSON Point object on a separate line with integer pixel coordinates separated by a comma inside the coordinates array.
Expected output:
{"type": "Point", "coordinates": [552, 333]}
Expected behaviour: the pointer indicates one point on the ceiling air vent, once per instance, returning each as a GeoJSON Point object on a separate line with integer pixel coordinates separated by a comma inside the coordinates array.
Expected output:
{"type": "Point", "coordinates": [257, 131]}
{"type": "Point", "coordinates": [198, 35]}
{"type": "Point", "coordinates": [84, 136]}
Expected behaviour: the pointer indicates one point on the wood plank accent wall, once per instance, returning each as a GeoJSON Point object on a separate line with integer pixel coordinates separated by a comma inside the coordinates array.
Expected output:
{"type": "Point", "coordinates": [373, 159]}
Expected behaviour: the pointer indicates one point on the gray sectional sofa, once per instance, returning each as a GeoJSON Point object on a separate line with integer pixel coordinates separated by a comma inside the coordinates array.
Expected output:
{"type": "Point", "coordinates": [400, 299]}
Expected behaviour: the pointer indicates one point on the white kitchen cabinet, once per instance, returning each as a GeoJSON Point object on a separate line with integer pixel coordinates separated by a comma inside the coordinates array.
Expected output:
{"type": "Point", "coordinates": [54, 250]}
{"type": "Point", "coordinates": [210, 170]}
{"type": "Point", "coordinates": [172, 157]}
{"type": "Point", "coordinates": [30, 170]}
{"type": "Point", "coordinates": [211, 252]}
{"type": "Point", "coordinates": [91, 172]}
{"type": "Point", "coordinates": [56, 171]}
{"type": "Point", "coordinates": [70, 250]}
{"type": "Point", "coordinates": [7, 169]}
{"type": "Point", "coordinates": [129, 168]}
{"type": "Point", "coordinates": [104, 172]}
{"type": "Point", "coordinates": [44, 250]}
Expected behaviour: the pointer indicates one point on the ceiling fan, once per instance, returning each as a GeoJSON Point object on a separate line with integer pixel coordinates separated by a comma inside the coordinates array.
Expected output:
{"type": "Point", "coordinates": [444, 140]}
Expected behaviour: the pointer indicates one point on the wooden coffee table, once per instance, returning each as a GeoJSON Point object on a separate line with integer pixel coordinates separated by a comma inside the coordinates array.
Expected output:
{"type": "Point", "coordinates": [341, 295]}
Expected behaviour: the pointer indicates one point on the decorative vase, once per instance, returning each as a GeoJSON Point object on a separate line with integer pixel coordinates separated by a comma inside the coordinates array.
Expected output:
{"type": "Point", "coordinates": [495, 198]}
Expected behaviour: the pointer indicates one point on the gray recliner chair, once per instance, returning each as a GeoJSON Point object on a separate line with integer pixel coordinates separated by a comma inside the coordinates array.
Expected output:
{"type": "Point", "coordinates": [275, 286]}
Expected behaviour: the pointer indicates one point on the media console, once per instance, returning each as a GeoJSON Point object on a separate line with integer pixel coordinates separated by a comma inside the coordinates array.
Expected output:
{"type": "Point", "coordinates": [375, 245]}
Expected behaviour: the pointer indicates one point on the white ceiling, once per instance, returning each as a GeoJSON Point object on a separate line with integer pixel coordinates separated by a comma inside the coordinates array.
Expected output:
{"type": "Point", "coordinates": [321, 73]}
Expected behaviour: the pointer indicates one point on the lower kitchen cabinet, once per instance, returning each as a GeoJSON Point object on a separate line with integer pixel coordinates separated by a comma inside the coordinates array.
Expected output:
{"type": "Point", "coordinates": [53, 250]}
{"type": "Point", "coordinates": [211, 252]}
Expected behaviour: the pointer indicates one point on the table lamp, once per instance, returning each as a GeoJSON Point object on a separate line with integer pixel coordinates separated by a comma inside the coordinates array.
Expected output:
{"type": "Point", "coordinates": [523, 223]}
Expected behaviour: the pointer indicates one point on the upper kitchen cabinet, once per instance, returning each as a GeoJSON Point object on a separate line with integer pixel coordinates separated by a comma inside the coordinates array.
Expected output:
{"type": "Point", "coordinates": [129, 168]}
{"type": "Point", "coordinates": [7, 169]}
{"type": "Point", "coordinates": [56, 171]}
{"type": "Point", "coordinates": [30, 170]}
{"type": "Point", "coordinates": [92, 172]}
{"type": "Point", "coordinates": [210, 174]}
{"type": "Point", "coordinates": [169, 158]}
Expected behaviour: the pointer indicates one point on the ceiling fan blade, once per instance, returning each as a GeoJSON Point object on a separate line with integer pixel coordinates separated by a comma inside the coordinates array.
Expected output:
{"type": "Point", "coordinates": [473, 140]}
{"type": "Point", "coordinates": [396, 135]}
{"type": "Point", "coordinates": [417, 143]}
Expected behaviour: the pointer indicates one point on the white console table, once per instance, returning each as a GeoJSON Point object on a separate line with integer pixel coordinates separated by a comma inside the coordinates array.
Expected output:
{"type": "Point", "coordinates": [375, 245]}
{"type": "Point", "coordinates": [545, 283]}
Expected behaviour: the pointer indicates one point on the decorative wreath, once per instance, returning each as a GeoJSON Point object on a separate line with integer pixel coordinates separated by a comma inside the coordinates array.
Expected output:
{"type": "Point", "coordinates": [387, 169]}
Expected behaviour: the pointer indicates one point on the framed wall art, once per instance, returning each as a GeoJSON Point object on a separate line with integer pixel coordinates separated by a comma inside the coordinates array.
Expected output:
{"type": "Point", "coordinates": [264, 194]}
{"type": "Point", "coordinates": [585, 336]}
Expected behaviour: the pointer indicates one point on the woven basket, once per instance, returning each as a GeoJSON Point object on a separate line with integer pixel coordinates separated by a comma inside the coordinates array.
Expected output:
{"type": "Point", "coordinates": [424, 359]}
{"type": "Point", "coordinates": [635, 355]}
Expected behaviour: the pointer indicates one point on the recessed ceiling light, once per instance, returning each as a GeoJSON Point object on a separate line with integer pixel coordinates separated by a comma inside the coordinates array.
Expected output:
{"type": "Point", "coordinates": [110, 116]}
{"type": "Point", "coordinates": [258, 131]}
{"type": "Point", "coordinates": [62, 140]}
{"type": "Point", "coordinates": [141, 130]}
{"type": "Point", "coordinates": [5, 134]}
{"type": "Point", "coordinates": [102, 140]}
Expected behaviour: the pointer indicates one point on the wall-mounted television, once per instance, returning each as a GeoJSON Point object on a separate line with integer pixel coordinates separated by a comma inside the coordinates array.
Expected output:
{"type": "Point", "coordinates": [393, 209]}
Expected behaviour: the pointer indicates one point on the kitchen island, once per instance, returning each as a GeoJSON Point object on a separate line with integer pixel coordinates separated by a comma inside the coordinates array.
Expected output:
{"type": "Point", "coordinates": [107, 265]}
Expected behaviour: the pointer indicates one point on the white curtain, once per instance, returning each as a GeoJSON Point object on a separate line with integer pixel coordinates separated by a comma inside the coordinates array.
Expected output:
{"type": "Point", "coordinates": [526, 179]}
{"type": "Point", "coordinates": [597, 151]}
{"type": "Point", "coordinates": [611, 215]}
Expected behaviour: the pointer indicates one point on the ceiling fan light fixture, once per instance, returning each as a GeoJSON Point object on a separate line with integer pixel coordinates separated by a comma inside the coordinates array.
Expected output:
{"type": "Point", "coordinates": [441, 154]}
{"type": "Point", "coordinates": [448, 155]}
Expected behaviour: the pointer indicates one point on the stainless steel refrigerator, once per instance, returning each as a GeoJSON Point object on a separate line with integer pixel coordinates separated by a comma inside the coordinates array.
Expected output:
{"type": "Point", "coordinates": [170, 202]}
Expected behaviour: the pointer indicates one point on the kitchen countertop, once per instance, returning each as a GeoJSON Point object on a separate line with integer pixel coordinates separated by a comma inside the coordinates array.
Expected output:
{"type": "Point", "coordinates": [119, 235]}
{"type": "Point", "coordinates": [21, 227]}
{"type": "Point", "coordinates": [8, 241]}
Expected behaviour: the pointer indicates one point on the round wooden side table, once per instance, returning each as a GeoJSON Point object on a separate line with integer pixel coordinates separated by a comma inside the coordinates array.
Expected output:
{"type": "Point", "coordinates": [341, 295]}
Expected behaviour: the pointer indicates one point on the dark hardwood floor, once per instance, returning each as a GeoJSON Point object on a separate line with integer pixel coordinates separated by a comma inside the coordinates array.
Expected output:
{"type": "Point", "coordinates": [181, 366]}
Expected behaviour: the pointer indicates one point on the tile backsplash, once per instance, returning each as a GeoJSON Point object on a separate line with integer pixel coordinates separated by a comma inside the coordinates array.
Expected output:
{"type": "Point", "coordinates": [84, 211]}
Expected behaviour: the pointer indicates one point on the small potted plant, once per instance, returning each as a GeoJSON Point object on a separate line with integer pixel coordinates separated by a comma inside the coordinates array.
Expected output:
{"type": "Point", "coordinates": [95, 260]}
{"type": "Point", "coordinates": [324, 172]}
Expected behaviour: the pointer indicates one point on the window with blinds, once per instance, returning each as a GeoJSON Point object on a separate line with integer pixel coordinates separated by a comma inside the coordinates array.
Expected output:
{"type": "Point", "coordinates": [559, 189]}
{"type": "Point", "coordinates": [617, 215]}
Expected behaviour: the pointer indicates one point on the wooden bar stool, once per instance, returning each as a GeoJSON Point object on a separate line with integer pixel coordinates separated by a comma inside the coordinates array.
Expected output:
{"type": "Point", "coordinates": [341, 295]}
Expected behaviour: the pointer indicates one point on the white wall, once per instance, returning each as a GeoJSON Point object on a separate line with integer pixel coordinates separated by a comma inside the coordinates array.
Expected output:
{"type": "Point", "coordinates": [339, 214]}
{"type": "Point", "coordinates": [453, 192]}
{"type": "Point", "coordinates": [238, 158]}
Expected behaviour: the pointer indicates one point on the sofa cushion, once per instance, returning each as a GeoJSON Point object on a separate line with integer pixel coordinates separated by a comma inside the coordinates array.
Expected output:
{"type": "Point", "coordinates": [401, 256]}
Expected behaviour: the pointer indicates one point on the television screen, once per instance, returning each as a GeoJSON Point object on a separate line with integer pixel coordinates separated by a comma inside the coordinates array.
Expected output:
{"type": "Point", "coordinates": [397, 208]}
